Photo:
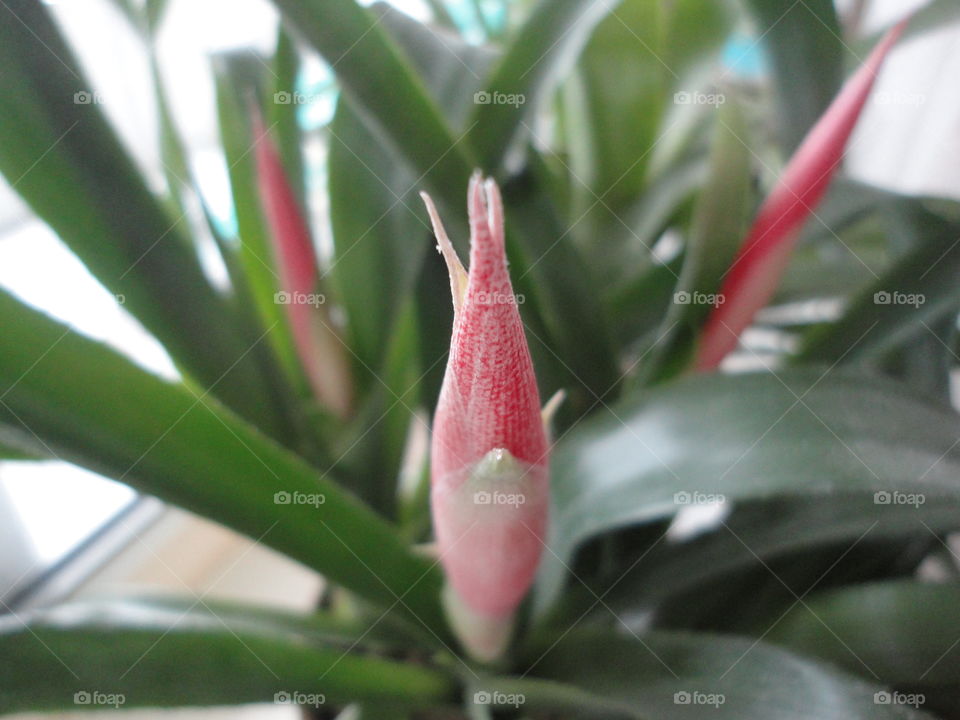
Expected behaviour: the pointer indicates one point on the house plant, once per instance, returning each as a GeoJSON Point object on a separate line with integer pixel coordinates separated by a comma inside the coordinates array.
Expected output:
{"type": "Point", "coordinates": [828, 471]}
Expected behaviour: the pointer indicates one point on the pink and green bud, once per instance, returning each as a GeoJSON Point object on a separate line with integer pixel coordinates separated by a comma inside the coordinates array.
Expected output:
{"type": "Point", "coordinates": [765, 253]}
{"type": "Point", "coordinates": [318, 345]}
{"type": "Point", "coordinates": [489, 453]}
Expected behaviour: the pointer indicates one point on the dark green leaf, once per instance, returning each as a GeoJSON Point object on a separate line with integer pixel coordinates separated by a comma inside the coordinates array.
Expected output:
{"type": "Point", "coordinates": [903, 632]}
{"type": "Point", "coordinates": [748, 437]}
{"type": "Point", "coordinates": [908, 301]}
{"type": "Point", "coordinates": [683, 675]}
{"type": "Point", "coordinates": [374, 74]}
{"type": "Point", "coordinates": [804, 44]}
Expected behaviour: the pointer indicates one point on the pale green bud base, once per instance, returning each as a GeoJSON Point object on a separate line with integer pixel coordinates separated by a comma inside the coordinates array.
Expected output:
{"type": "Point", "coordinates": [484, 638]}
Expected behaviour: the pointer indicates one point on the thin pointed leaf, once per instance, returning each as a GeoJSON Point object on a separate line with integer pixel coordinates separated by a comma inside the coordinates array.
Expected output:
{"type": "Point", "coordinates": [554, 31]}
{"type": "Point", "coordinates": [63, 158]}
{"type": "Point", "coordinates": [718, 223]}
{"type": "Point", "coordinates": [135, 653]}
{"type": "Point", "coordinates": [804, 43]}
{"type": "Point", "coordinates": [375, 75]}
{"type": "Point", "coordinates": [183, 447]}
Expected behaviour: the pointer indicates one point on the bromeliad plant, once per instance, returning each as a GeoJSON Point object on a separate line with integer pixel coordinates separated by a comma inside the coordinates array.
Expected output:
{"type": "Point", "coordinates": [674, 538]}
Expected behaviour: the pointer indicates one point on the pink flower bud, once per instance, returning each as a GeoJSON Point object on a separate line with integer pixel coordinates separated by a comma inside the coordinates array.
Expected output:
{"type": "Point", "coordinates": [763, 257]}
{"type": "Point", "coordinates": [489, 455]}
{"type": "Point", "coordinates": [318, 346]}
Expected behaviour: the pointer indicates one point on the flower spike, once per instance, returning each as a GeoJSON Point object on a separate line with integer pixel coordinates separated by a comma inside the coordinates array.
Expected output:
{"type": "Point", "coordinates": [317, 343]}
{"type": "Point", "coordinates": [756, 271]}
{"type": "Point", "coordinates": [489, 454]}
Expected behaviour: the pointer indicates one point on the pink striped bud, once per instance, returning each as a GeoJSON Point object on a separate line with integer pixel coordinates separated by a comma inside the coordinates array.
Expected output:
{"type": "Point", "coordinates": [317, 343]}
{"type": "Point", "coordinates": [763, 257]}
{"type": "Point", "coordinates": [489, 455]}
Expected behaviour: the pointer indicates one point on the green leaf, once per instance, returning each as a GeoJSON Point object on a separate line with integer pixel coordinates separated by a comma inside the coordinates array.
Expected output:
{"type": "Point", "coordinates": [685, 675]}
{"type": "Point", "coordinates": [717, 231]}
{"type": "Point", "coordinates": [238, 79]}
{"type": "Point", "coordinates": [373, 73]}
{"type": "Point", "coordinates": [908, 301]}
{"type": "Point", "coordinates": [60, 154]}
{"type": "Point", "coordinates": [554, 32]}
{"type": "Point", "coordinates": [636, 55]}
{"type": "Point", "coordinates": [381, 234]}
{"type": "Point", "coordinates": [179, 444]}
{"type": "Point", "coordinates": [283, 117]}
{"type": "Point", "coordinates": [195, 653]}
{"type": "Point", "coordinates": [795, 433]}
{"type": "Point", "coordinates": [808, 536]}
{"type": "Point", "coordinates": [805, 47]}
{"type": "Point", "coordinates": [903, 632]}
{"type": "Point", "coordinates": [549, 270]}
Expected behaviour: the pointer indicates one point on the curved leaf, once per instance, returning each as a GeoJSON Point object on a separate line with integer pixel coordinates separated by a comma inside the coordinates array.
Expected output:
{"type": "Point", "coordinates": [685, 675]}
{"type": "Point", "coordinates": [798, 433]}
{"type": "Point", "coordinates": [905, 632]}
{"type": "Point", "coordinates": [909, 300]}
{"type": "Point", "coordinates": [791, 531]}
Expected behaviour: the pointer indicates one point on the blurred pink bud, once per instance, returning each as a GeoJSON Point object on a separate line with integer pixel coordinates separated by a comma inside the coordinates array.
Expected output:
{"type": "Point", "coordinates": [755, 274]}
{"type": "Point", "coordinates": [318, 346]}
{"type": "Point", "coordinates": [489, 455]}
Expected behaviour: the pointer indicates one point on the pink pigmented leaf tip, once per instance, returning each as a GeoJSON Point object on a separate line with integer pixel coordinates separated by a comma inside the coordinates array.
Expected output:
{"type": "Point", "coordinates": [765, 253]}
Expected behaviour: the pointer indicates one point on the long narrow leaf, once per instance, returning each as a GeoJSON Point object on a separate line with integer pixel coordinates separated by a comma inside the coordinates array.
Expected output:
{"type": "Point", "coordinates": [64, 159]}
{"type": "Point", "coordinates": [181, 445]}
{"type": "Point", "coordinates": [129, 654]}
